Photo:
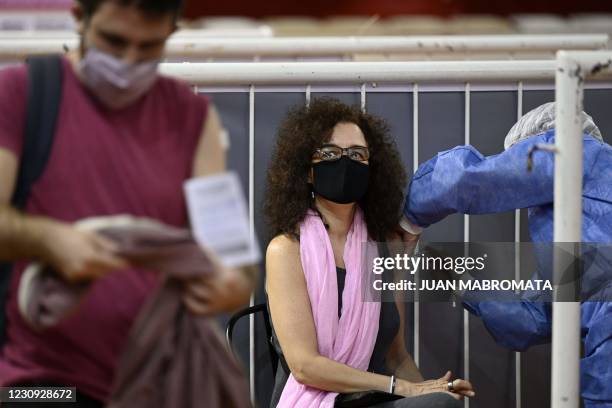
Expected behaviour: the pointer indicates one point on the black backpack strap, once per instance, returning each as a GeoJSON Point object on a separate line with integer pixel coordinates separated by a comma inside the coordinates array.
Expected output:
{"type": "Point", "coordinates": [44, 96]}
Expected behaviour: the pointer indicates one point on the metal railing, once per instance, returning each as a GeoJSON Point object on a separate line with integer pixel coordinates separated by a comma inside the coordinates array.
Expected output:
{"type": "Point", "coordinates": [189, 45]}
{"type": "Point", "coordinates": [357, 73]}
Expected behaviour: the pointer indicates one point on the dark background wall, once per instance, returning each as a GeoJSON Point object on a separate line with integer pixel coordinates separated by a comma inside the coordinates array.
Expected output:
{"type": "Point", "coordinates": [321, 8]}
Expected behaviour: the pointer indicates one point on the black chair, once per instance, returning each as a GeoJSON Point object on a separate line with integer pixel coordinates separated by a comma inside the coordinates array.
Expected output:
{"type": "Point", "coordinates": [263, 309]}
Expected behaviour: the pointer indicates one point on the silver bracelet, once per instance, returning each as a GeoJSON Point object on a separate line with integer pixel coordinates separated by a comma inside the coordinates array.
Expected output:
{"type": "Point", "coordinates": [392, 385]}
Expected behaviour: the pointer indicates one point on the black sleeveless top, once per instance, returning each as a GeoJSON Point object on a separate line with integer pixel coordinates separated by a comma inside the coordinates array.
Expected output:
{"type": "Point", "coordinates": [388, 326]}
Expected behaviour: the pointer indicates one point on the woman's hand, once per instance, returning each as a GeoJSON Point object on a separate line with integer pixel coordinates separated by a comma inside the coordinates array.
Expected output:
{"type": "Point", "coordinates": [461, 388]}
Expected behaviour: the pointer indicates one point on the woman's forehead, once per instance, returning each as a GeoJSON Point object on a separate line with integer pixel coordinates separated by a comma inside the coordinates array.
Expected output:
{"type": "Point", "coordinates": [347, 134]}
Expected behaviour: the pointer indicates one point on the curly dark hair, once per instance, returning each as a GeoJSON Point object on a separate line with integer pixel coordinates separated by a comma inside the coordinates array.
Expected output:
{"type": "Point", "coordinates": [288, 192]}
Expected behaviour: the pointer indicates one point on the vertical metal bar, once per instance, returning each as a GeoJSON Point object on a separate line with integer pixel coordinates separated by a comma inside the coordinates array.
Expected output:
{"type": "Point", "coordinates": [517, 263]}
{"type": "Point", "coordinates": [252, 234]}
{"type": "Point", "coordinates": [308, 92]}
{"type": "Point", "coordinates": [363, 97]}
{"type": "Point", "coordinates": [466, 238]}
{"type": "Point", "coordinates": [415, 166]}
{"type": "Point", "coordinates": [567, 228]}
{"type": "Point", "coordinates": [415, 127]}
{"type": "Point", "coordinates": [519, 101]}
{"type": "Point", "coordinates": [517, 213]}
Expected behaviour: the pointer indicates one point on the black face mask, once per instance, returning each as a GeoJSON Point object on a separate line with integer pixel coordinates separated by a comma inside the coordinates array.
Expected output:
{"type": "Point", "coordinates": [342, 181]}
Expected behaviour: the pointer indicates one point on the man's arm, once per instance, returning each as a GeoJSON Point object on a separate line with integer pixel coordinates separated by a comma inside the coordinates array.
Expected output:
{"type": "Point", "coordinates": [74, 254]}
{"type": "Point", "coordinates": [232, 288]}
{"type": "Point", "coordinates": [210, 153]}
{"type": "Point", "coordinates": [13, 225]}
{"type": "Point", "coordinates": [462, 180]}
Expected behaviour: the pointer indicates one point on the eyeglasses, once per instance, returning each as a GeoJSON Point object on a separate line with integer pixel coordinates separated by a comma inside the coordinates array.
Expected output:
{"type": "Point", "coordinates": [331, 152]}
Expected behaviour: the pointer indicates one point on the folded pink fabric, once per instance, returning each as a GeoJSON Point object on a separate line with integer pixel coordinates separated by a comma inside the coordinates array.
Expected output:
{"type": "Point", "coordinates": [176, 359]}
{"type": "Point", "coordinates": [172, 357]}
{"type": "Point", "coordinates": [45, 299]}
{"type": "Point", "coordinates": [349, 340]}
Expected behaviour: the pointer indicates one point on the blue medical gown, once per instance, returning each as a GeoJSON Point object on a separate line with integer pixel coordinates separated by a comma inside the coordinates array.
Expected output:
{"type": "Point", "coordinates": [462, 180]}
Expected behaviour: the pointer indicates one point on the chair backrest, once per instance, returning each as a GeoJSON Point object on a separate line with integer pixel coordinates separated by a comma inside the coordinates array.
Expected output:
{"type": "Point", "coordinates": [259, 308]}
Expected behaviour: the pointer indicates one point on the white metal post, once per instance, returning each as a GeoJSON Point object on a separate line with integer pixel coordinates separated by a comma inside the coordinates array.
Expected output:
{"type": "Point", "coordinates": [568, 221]}
{"type": "Point", "coordinates": [572, 69]}
{"type": "Point", "coordinates": [415, 166]}
{"type": "Point", "coordinates": [363, 98]}
{"type": "Point", "coordinates": [466, 238]}
{"type": "Point", "coordinates": [517, 263]}
{"type": "Point", "coordinates": [308, 92]}
{"type": "Point", "coordinates": [252, 235]}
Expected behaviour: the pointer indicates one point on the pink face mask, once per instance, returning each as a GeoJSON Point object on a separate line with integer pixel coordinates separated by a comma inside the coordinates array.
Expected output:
{"type": "Point", "coordinates": [115, 83]}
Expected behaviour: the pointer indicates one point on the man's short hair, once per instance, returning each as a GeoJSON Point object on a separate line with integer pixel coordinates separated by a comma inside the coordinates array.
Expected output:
{"type": "Point", "coordinates": [147, 6]}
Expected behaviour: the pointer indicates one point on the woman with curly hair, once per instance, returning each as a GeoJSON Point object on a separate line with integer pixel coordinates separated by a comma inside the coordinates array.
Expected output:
{"type": "Point", "coordinates": [335, 182]}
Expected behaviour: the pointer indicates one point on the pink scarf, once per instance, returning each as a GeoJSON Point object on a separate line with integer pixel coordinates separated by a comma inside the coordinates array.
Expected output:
{"type": "Point", "coordinates": [350, 339]}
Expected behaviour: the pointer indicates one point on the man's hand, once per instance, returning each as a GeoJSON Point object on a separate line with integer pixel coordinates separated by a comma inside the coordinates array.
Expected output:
{"type": "Point", "coordinates": [78, 255]}
{"type": "Point", "coordinates": [224, 291]}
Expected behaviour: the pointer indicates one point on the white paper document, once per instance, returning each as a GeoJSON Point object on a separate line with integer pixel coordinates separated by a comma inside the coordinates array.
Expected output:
{"type": "Point", "coordinates": [219, 218]}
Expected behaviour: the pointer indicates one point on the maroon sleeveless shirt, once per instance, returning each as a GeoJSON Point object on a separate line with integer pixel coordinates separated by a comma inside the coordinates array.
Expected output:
{"type": "Point", "coordinates": [103, 162]}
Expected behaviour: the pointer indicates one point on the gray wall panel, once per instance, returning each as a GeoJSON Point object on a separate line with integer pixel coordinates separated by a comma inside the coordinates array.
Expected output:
{"type": "Point", "coordinates": [597, 103]}
{"type": "Point", "coordinates": [535, 362]}
{"type": "Point", "coordinates": [234, 110]}
{"type": "Point", "coordinates": [270, 109]}
{"type": "Point", "coordinates": [492, 115]}
{"type": "Point", "coordinates": [396, 109]}
{"type": "Point", "coordinates": [350, 98]}
{"type": "Point", "coordinates": [533, 99]}
{"type": "Point", "coordinates": [441, 126]}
